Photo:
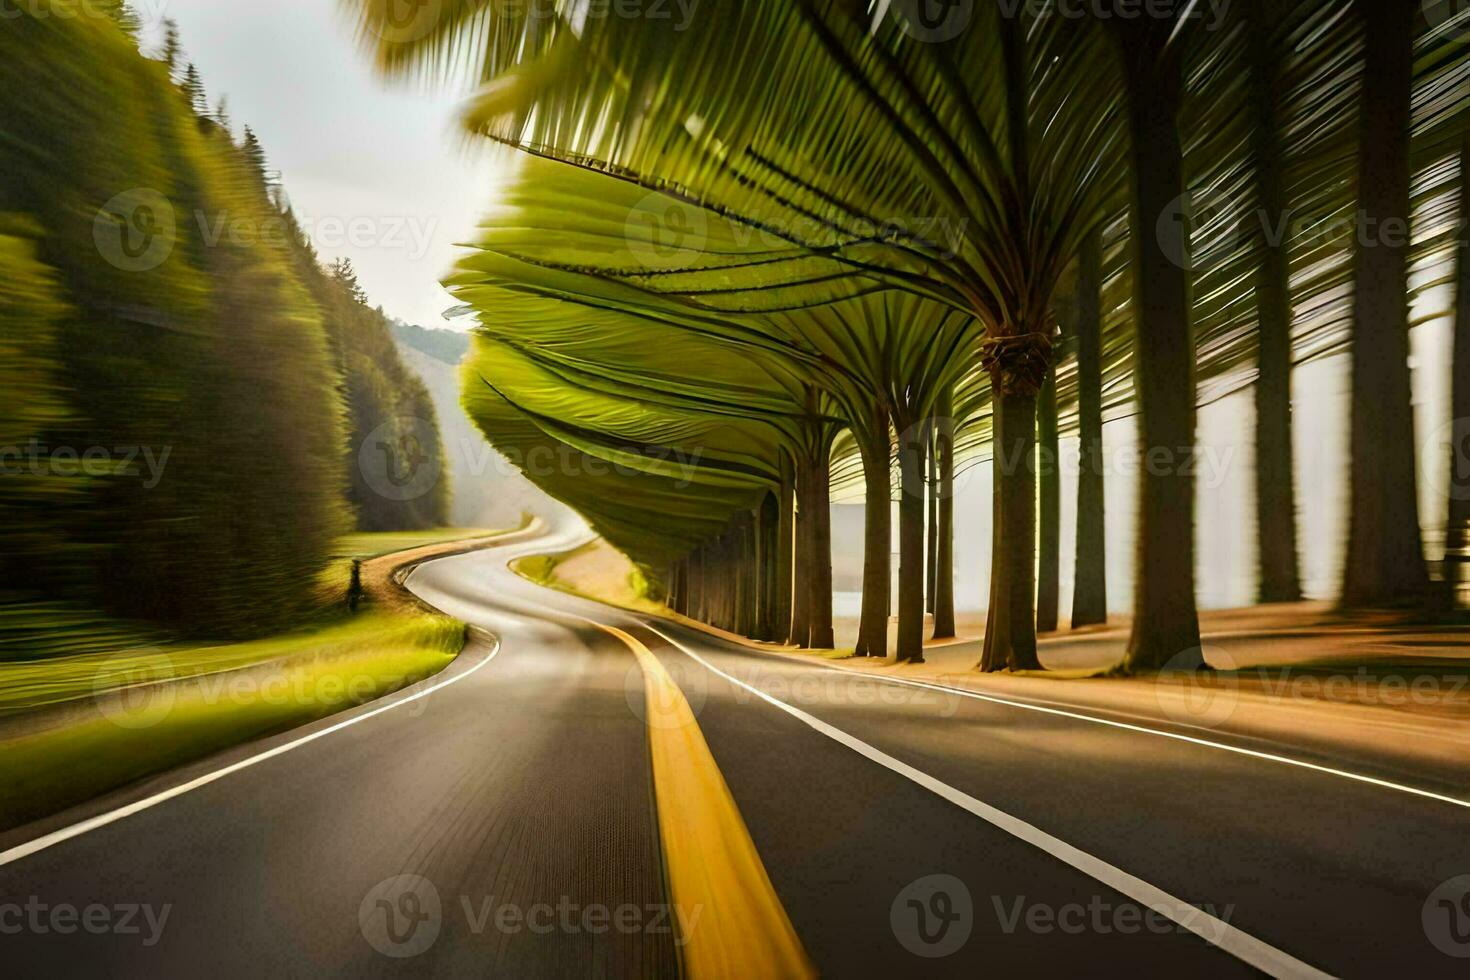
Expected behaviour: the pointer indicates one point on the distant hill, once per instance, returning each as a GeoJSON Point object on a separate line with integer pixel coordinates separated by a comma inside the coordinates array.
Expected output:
{"type": "Point", "coordinates": [487, 490]}
{"type": "Point", "coordinates": [448, 346]}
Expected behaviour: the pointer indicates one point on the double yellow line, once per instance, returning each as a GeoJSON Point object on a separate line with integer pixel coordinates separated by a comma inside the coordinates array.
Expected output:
{"type": "Point", "coordinates": [713, 868]}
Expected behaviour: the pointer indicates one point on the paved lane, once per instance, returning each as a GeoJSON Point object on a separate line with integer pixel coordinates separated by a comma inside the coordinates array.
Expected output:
{"type": "Point", "coordinates": [526, 785]}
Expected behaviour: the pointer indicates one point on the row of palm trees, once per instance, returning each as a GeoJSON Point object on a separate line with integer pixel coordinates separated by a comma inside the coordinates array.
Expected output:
{"type": "Point", "coordinates": [796, 241]}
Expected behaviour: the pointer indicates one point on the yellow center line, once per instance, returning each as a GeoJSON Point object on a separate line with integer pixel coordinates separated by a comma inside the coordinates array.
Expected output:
{"type": "Point", "coordinates": [735, 923]}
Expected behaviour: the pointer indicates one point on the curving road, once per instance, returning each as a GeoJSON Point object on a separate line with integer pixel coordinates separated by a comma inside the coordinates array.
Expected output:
{"type": "Point", "coordinates": [501, 820]}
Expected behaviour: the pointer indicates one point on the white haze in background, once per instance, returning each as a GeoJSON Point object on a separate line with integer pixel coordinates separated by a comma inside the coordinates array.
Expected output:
{"type": "Point", "coordinates": [350, 147]}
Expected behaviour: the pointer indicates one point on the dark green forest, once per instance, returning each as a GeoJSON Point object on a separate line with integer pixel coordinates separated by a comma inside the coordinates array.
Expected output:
{"type": "Point", "coordinates": [189, 389]}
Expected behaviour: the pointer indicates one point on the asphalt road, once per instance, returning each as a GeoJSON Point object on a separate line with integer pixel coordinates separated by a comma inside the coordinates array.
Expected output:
{"type": "Point", "coordinates": [503, 824]}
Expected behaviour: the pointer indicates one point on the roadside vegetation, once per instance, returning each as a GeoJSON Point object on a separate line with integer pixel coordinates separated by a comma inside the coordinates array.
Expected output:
{"type": "Point", "coordinates": [189, 391]}
{"type": "Point", "coordinates": [204, 431]}
{"type": "Point", "coordinates": [75, 725]}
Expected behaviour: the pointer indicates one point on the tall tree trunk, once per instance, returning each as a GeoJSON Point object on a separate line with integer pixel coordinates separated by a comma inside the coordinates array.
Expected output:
{"type": "Point", "coordinates": [806, 559]}
{"type": "Point", "coordinates": [931, 495]}
{"type": "Point", "coordinates": [944, 577]}
{"type": "Point", "coordinates": [1049, 476]}
{"type": "Point", "coordinates": [697, 609]}
{"type": "Point", "coordinates": [1385, 559]}
{"type": "Point", "coordinates": [876, 450]}
{"type": "Point", "coordinates": [785, 556]}
{"type": "Point", "coordinates": [911, 558]}
{"type": "Point", "coordinates": [1090, 584]}
{"type": "Point", "coordinates": [820, 584]}
{"type": "Point", "coordinates": [678, 587]}
{"type": "Point", "coordinates": [1010, 630]}
{"type": "Point", "coordinates": [767, 536]}
{"type": "Point", "coordinates": [1018, 363]}
{"type": "Point", "coordinates": [1165, 620]}
{"type": "Point", "coordinates": [1280, 577]}
{"type": "Point", "coordinates": [1458, 489]}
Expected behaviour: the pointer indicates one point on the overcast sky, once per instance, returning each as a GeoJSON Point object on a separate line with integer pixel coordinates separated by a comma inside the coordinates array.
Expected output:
{"type": "Point", "coordinates": [377, 171]}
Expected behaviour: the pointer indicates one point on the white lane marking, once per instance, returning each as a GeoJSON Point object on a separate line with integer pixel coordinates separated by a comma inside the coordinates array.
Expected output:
{"type": "Point", "coordinates": [112, 816]}
{"type": "Point", "coordinates": [1241, 945]}
{"type": "Point", "coordinates": [1141, 729]}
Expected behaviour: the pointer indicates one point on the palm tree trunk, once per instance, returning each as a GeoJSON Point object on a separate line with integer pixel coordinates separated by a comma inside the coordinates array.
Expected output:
{"type": "Point", "coordinates": [1458, 490]}
{"type": "Point", "coordinates": [911, 558]}
{"type": "Point", "coordinates": [806, 559]}
{"type": "Point", "coordinates": [785, 552]}
{"type": "Point", "coordinates": [1049, 476]}
{"type": "Point", "coordinates": [931, 496]}
{"type": "Point", "coordinates": [819, 498]}
{"type": "Point", "coordinates": [696, 603]}
{"type": "Point", "coordinates": [1280, 576]}
{"type": "Point", "coordinates": [1090, 585]}
{"type": "Point", "coordinates": [767, 523]}
{"type": "Point", "coordinates": [1385, 559]}
{"type": "Point", "coordinates": [1165, 620]}
{"type": "Point", "coordinates": [872, 638]}
{"type": "Point", "coordinates": [1010, 631]}
{"type": "Point", "coordinates": [944, 575]}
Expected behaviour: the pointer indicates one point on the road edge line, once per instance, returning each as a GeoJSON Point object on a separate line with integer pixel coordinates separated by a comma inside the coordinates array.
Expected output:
{"type": "Point", "coordinates": [1243, 946]}
{"type": "Point", "coordinates": [60, 836]}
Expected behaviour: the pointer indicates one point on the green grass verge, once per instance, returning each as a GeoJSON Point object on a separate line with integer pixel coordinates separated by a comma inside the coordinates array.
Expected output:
{"type": "Point", "coordinates": [162, 721]}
